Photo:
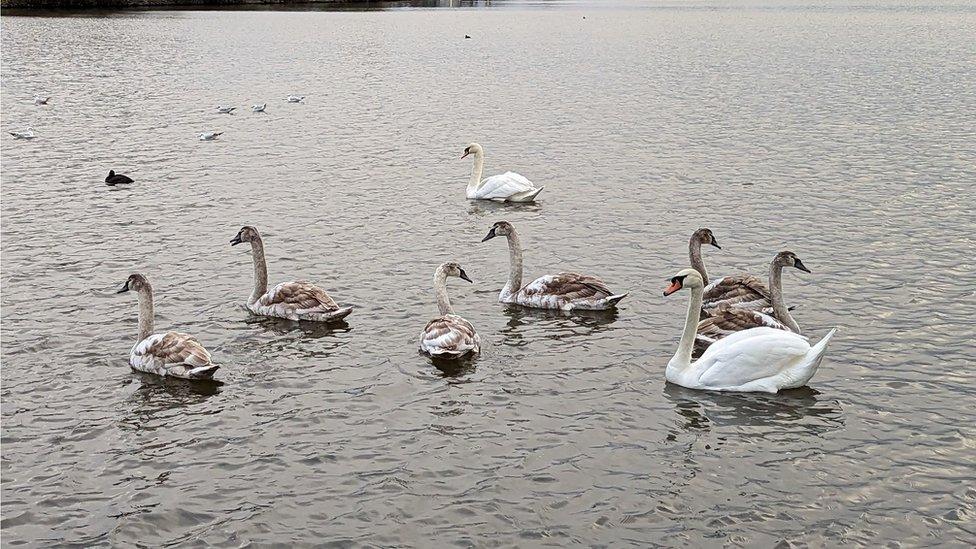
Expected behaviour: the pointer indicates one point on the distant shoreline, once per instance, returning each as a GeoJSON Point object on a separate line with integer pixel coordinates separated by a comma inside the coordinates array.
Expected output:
{"type": "Point", "coordinates": [25, 6]}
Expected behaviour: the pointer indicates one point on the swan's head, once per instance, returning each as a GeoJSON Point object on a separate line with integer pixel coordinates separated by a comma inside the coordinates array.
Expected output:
{"type": "Point", "coordinates": [136, 282]}
{"type": "Point", "coordinates": [686, 278]}
{"type": "Point", "coordinates": [789, 259]}
{"type": "Point", "coordinates": [474, 149]}
{"type": "Point", "coordinates": [501, 228]}
{"type": "Point", "coordinates": [705, 236]}
{"type": "Point", "coordinates": [453, 268]}
{"type": "Point", "coordinates": [246, 234]}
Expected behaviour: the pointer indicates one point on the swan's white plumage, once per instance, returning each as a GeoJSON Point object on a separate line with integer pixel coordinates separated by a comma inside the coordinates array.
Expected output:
{"type": "Point", "coordinates": [759, 359]}
{"type": "Point", "coordinates": [508, 186]}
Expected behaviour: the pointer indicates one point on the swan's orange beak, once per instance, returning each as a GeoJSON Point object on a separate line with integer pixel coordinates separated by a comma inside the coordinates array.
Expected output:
{"type": "Point", "coordinates": [466, 153]}
{"type": "Point", "coordinates": [674, 287]}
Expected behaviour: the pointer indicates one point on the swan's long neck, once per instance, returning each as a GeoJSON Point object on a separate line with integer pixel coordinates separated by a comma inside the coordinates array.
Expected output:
{"type": "Point", "coordinates": [440, 290]}
{"type": "Point", "coordinates": [479, 164]}
{"type": "Point", "coordinates": [146, 312]}
{"type": "Point", "coordinates": [780, 309]}
{"type": "Point", "coordinates": [515, 262]}
{"type": "Point", "coordinates": [695, 257]}
{"type": "Point", "coordinates": [682, 357]}
{"type": "Point", "coordinates": [260, 270]}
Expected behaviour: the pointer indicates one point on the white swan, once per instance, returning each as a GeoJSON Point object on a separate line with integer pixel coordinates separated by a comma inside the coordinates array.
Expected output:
{"type": "Point", "coordinates": [38, 100]}
{"type": "Point", "coordinates": [448, 336]}
{"type": "Point", "coordinates": [507, 187]}
{"type": "Point", "coordinates": [295, 300]}
{"type": "Point", "coordinates": [259, 108]}
{"type": "Point", "coordinates": [295, 98]}
{"type": "Point", "coordinates": [225, 110]}
{"type": "Point", "coordinates": [173, 354]}
{"type": "Point", "coordinates": [755, 360]}
{"type": "Point", "coordinates": [210, 136]}
{"type": "Point", "coordinates": [25, 134]}
{"type": "Point", "coordinates": [728, 319]}
{"type": "Point", "coordinates": [564, 291]}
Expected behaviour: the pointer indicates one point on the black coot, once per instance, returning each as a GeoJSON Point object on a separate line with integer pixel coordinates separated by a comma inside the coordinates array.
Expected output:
{"type": "Point", "coordinates": [114, 179]}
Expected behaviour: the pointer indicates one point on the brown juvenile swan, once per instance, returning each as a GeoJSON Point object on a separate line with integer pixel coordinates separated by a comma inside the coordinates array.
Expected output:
{"type": "Point", "coordinates": [563, 291]}
{"type": "Point", "coordinates": [449, 335]}
{"type": "Point", "coordinates": [173, 354]}
{"type": "Point", "coordinates": [729, 318]}
{"type": "Point", "coordinates": [295, 300]}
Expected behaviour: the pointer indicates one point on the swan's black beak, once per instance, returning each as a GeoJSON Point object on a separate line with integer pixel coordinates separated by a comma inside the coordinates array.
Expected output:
{"type": "Point", "coordinates": [713, 243]}
{"type": "Point", "coordinates": [466, 153]}
{"type": "Point", "coordinates": [236, 240]}
{"type": "Point", "coordinates": [125, 288]}
{"type": "Point", "coordinates": [464, 276]}
{"type": "Point", "coordinates": [799, 265]}
{"type": "Point", "coordinates": [491, 234]}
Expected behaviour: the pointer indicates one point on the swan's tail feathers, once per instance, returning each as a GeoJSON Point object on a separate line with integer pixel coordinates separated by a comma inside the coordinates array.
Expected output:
{"type": "Point", "coordinates": [806, 369]}
{"type": "Point", "coordinates": [529, 196]}
{"type": "Point", "coordinates": [820, 348]}
{"type": "Point", "coordinates": [614, 299]}
{"type": "Point", "coordinates": [202, 372]}
{"type": "Point", "coordinates": [327, 316]}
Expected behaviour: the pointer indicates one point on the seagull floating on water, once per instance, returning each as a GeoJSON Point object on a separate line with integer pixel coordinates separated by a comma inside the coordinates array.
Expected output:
{"type": "Point", "coordinates": [225, 110]}
{"type": "Point", "coordinates": [209, 136]}
{"type": "Point", "coordinates": [114, 179]}
{"type": "Point", "coordinates": [26, 134]}
{"type": "Point", "coordinates": [258, 108]}
{"type": "Point", "coordinates": [38, 100]}
{"type": "Point", "coordinates": [295, 98]}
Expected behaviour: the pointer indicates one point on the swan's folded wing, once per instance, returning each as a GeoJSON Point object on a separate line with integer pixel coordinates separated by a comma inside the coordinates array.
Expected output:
{"type": "Point", "coordinates": [735, 290]}
{"type": "Point", "coordinates": [175, 348]}
{"type": "Point", "coordinates": [298, 295]}
{"type": "Point", "coordinates": [569, 286]}
{"type": "Point", "coordinates": [448, 334]}
{"type": "Point", "coordinates": [504, 185]}
{"type": "Point", "coordinates": [749, 356]}
{"type": "Point", "coordinates": [729, 320]}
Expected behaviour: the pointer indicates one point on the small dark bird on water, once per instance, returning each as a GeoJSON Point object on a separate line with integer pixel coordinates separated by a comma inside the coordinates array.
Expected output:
{"type": "Point", "coordinates": [114, 179]}
{"type": "Point", "coordinates": [467, 36]}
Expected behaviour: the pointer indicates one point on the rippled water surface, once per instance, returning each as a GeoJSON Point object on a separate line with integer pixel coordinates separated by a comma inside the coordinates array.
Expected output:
{"type": "Point", "coordinates": [842, 133]}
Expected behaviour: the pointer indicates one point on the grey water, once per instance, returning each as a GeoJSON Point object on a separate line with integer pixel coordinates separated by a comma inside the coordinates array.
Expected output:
{"type": "Point", "coordinates": [843, 132]}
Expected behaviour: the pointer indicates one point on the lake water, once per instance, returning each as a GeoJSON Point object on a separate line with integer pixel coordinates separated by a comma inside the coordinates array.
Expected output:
{"type": "Point", "coordinates": [843, 132]}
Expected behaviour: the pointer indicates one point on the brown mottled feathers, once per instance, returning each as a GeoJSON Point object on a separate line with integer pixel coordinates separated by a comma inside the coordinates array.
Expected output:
{"type": "Point", "coordinates": [300, 294]}
{"type": "Point", "coordinates": [742, 290]}
{"type": "Point", "coordinates": [569, 286]}
{"type": "Point", "coordinates": [176, 347]}
{"type": "Point", "coordinates": [728, 320]}
{"type": "Point", "coordinates": [449, 334]}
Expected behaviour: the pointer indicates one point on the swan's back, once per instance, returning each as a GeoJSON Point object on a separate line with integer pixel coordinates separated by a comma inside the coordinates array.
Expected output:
{"type": "Point", "coordinates": [745, 291]}
{"type": "Point", "coordinates": [174, 354]}
{"type": "Point", "coordinates": [758, 359]}
{"type": "Point", "coordinates": [567, 291]}
{"type": "Point", "coordinates": [449, 336]}
{"type": "Point", "coordinates": [503, 186]}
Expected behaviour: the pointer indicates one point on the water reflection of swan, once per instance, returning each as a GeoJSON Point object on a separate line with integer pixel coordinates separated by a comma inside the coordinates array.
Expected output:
{"type": "Point", "coordinates": [484, 208]}
{"type": "Point", "coordinates": [454, 368]}
{"type": "Point", "coordinates": [305, 329]}
{"type": "Point", "coordinates": [155, 396]}
{"type": "Point", "coordinates": [786, 411]}
{"type": "Point", "coordinates": [554, 324]}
